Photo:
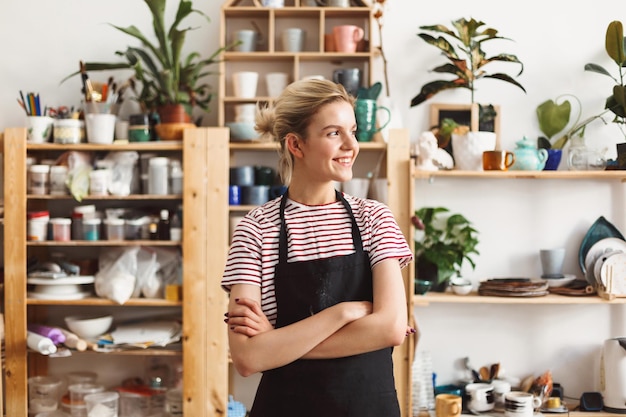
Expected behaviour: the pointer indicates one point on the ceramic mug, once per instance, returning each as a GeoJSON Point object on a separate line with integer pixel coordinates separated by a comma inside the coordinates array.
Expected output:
{"type": "Point", "coordinates": [552, 262]}
{"type": "Point", "coordinates": [248, 40]}
{"type": "Point", "coordinates": [448, 405]}
{"type": "Point", "coordinates": [365, 111]}
{"type": "Point", "coordinates": [347, 37]}
{"type": "Point", "coordinates": [350, 78]}
{"type": "Point", "coordinates": [498, 160]}
{"type": "Point", "coordinates": [480, 397]}
{"type": "Point", "coordinates": [520, 404]}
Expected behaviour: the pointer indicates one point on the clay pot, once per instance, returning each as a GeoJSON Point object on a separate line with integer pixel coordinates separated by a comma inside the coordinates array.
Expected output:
{"type": "Point", "coordinates": [173, 113]}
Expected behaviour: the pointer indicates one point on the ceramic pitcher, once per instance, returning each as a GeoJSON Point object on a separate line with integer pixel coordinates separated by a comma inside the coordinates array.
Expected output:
{"type": "Point", "coordinates": [365, 111]}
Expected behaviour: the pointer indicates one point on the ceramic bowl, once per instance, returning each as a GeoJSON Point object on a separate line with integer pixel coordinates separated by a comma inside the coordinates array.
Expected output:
{"type": "Point", "coordinates": [242, 131]}
{"type": "Point", "coordinates": [88, 327]}
{"type": "Point", "coordinates": [172, 131]}
{"type": "Point", "coordinates": [421, 286]}
{"type": "Point", "coordinates": [461, 286]}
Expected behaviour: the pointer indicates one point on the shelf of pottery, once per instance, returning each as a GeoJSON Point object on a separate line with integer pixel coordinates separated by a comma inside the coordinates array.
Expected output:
{"type": "Point", "coordinates": [275, 45]}
{"type": "Point", "coordinates": [97, 263]}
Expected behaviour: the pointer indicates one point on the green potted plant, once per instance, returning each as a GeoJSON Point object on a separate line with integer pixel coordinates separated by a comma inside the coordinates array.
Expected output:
{"type": "Point", "coordinates": [166, 81]}
{"type": "Point", "coordinates": [462, 46]}
{"type": "Point", "coordinates": [443, 242]}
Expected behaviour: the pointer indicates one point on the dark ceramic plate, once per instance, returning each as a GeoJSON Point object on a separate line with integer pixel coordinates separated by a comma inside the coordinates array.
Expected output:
{"type": "Point", "coordinates": [599, 230]}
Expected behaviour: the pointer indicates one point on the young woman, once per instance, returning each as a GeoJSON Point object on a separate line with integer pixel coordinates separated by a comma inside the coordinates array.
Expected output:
{"type": "Point", "coordinates": [317, 299]}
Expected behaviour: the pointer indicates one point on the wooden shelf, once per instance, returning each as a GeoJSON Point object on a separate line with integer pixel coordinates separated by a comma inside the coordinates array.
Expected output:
{"type": "Point", "coordinates": [126, 146]}
{"type": "Point", "coordinates": [106, 197]}
{"type": "Point", "coordinates": [594, 175]}
{"type": "Point", "coordinates": [94, 301]}
{"type": "Point", "coordinates": [83, 243]}
{"type": "Point", "coordinates": [474, 298]}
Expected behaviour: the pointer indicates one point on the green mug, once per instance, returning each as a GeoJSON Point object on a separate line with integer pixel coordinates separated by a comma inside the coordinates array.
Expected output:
{"type": "Point", "coordinates": [365, 111]}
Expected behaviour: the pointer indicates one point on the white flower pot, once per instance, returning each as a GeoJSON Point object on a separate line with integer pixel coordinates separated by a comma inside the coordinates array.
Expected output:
{"type": "Point", "coordinates": [468, 149]}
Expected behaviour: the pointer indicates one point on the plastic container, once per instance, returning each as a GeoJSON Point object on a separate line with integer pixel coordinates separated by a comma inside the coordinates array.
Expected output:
{"type": "Point", "coordinates": [44, 393]}
{"type": "Point", "coordinates": [88, 211]}
{"type": "Point", "coordinates": [79, 391]}
{"type": "Point", "coordinates": [176, 177]}
{"type": "Point", "coordinates": [58, 177]}
{"type": "Point", "coordinates": [39, 179]}
{"type": "Point", "coordinates": [68, 130]}
{"type": "Point", "coordinates": [81, 377]}
{"type": "Point", "coordinates": [158, 176]}
{"type": "Point", "coordinates": [102, 404]}
{"type": "Point", "coordinates": [114, 229]}
{"type": "Point", "coordinates": [99, 182]}
{"type": "Point", "coordinates": [91, 229]}
{"type": "Point", "coordinates": [61, 229]}
{"type": "Point", "coordinates": [174, 402]}
{"type": "Point", "coordinates": [133, 229]}
{"type": "Point", "coordinates": [37, 225]}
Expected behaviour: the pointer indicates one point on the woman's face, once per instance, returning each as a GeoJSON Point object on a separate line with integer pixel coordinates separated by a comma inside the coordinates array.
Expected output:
{"type": "Point", "coordinates": [331, 146]}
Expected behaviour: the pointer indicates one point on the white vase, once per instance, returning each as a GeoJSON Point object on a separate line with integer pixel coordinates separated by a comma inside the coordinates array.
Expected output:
{"type": "Point", "coordinates": [468, 149]}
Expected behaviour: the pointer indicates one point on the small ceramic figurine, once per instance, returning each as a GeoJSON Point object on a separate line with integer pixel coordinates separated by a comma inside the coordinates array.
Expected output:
{"type": "Point", "coordinates": [426, 149]}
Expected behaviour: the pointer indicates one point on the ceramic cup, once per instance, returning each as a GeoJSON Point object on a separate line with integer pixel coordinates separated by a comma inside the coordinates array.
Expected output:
{"type": "Point", "coordinates": [245, 84]}
{"type": "Point", "coordinates": [448, 405]}
{"type": "Point", "coordinates": [366, 111]}
{"type": "Point", "coordinates": [100, 127]}
{"type": "Point", "coordinates": [39, 129]}
{"type": "Point", "coordinates": [350, 78]}
{"type": "Point", "coordinates": [337, 3]}
{"type": "Point", "coordinates": [347, 37]}
{"type": "Point", "coordinates": [520, 404]}
{"type": "Point", "coordinates": [293, 39]}
{"type": "Point", "coordinates": [500, 388]}
{"type": "Point", "coordinates": [480, 397]}
{"type": "Point", "coordinates": [498, 160]}
{"type": "Point", "coordinates": [273, 3]}
{"type": "Point", "coordinates": [552, 262]}
{"type": "Point", "coordinates": [276, 83]}
{"type": "Point", "coordinates": [255, 194]}
{"type": "Point", "coordinates": [248, 40]}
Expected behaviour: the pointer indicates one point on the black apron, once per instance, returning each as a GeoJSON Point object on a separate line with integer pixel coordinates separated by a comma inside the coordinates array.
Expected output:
{"type": "Point", "coordinates": [355, 386]}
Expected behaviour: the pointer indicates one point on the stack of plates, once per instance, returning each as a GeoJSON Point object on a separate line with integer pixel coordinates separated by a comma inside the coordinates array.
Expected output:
{"type": "Point", "coordinates": [513, 287]}
{"type": "Point", "coordinates": [66, 288]}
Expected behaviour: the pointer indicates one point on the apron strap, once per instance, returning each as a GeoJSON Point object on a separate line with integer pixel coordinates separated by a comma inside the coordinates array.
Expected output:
{"type": "Point", "coordinates": [282, 238]}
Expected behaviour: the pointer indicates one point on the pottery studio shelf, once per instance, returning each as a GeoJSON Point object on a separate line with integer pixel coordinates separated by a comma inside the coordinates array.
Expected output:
{"type": "Point", "coordinates": [474, 298]}
{"type": "Point", "coordinates": [595, 175]}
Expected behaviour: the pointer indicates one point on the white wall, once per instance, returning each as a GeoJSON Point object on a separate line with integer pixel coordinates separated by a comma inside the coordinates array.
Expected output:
{"type": "Point", "coordinates": [43, 42]}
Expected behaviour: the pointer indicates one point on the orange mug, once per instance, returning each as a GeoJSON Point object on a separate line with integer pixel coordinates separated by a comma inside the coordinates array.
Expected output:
{"type": "Point", "coordinates": [347, 37]}
{"type": "Point", "coordinates": [498, 160]}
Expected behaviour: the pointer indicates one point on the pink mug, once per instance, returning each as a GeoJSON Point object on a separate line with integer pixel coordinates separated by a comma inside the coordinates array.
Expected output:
{"type": "Point", "coordinates": [347, 37]}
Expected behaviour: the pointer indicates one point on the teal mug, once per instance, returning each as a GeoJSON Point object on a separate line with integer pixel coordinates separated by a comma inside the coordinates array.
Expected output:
{"type": "Point", "coordinates": [365, 111]}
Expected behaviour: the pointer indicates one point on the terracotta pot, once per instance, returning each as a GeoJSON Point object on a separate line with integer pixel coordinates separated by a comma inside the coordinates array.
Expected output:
{"type": "Point", "coordinates": [173, 113]}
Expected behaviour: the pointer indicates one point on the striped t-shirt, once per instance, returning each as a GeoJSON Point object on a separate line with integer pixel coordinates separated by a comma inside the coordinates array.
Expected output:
{"type": "Point", "coordinates": [314, 232]}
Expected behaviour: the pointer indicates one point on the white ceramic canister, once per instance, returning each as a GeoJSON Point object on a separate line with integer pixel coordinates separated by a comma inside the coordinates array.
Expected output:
{"type": "Point", "coordinates": [99, 182]}
{"type": "Point", "coordinates": [158, 177]}
{"type": "Point", "coordinates": [68, 130]}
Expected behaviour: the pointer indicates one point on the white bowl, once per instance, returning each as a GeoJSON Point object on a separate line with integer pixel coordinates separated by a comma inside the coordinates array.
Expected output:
{"type": "Point", "coordinates": [559, 282]}
{"type": "Point", "coordinates": [242, 131]}
{"type": "Point", "coordinates": [89, 327]}
{"type": "Point", "coordinates": [461, 286]}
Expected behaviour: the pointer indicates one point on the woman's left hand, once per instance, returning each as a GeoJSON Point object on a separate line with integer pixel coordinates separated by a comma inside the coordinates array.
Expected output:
{"type": "Point", "coordinates": [247, 318]}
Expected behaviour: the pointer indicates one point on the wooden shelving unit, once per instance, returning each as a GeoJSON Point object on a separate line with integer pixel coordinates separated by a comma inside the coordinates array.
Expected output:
{"type": "Point", "coordinates": [431, 298]}
{"type": "Point", "coordinates": [203, 347]}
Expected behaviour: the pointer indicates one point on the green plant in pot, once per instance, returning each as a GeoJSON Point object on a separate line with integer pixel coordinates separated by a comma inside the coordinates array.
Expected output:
{"type": "Point", "coordinates": [462, 46]}
{"type": "Point", "coordinates": [444, 241]}
{"type": "Point", "coordinates": [166, 81]}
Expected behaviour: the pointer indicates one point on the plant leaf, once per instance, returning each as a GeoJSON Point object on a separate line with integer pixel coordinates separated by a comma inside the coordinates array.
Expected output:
{"type": "Point", "coordinates": [553, 117]}
{"type": "Point", "coordinates": [614, 42]}
{"type": "Point", "coordinates": [434, 87]}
